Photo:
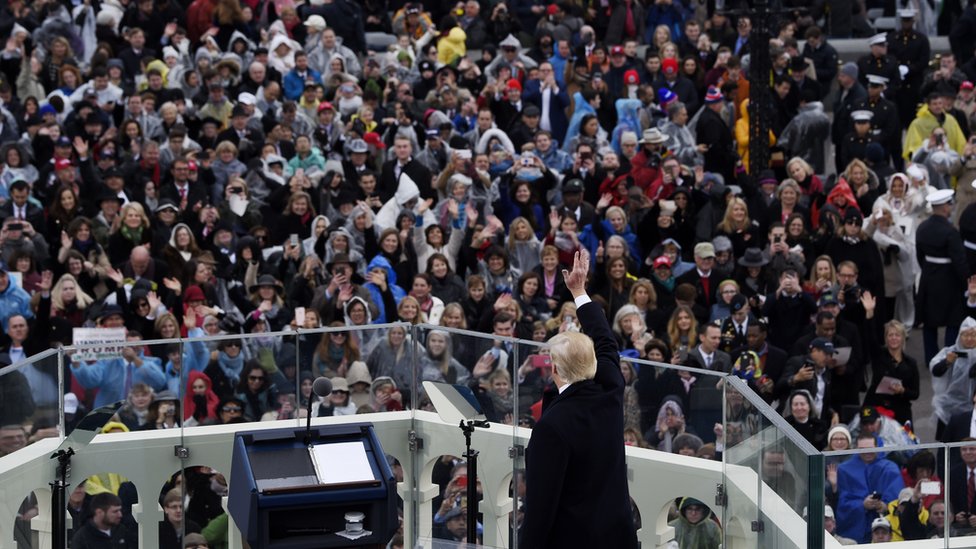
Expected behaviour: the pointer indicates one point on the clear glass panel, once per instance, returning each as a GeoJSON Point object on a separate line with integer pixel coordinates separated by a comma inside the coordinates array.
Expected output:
{"type": "Point", "coordinates": [485, 365]}
{"type": "Point", "coordinates": [961, 510]}
{"type": "Point", "coordinates": [30, 401]}
{"type": "Point", "coordinates": [742, 454]}
{"type": "Point", "coordinates": [895, 494]}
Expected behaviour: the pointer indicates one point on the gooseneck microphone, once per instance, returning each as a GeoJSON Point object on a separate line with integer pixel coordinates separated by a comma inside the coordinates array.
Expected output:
{"type": "Point", "coordinates": [322, 387]}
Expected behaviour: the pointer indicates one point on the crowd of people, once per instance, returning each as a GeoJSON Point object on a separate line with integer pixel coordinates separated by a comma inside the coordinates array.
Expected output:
{"type": "Point", "coordinates": [188, 169]}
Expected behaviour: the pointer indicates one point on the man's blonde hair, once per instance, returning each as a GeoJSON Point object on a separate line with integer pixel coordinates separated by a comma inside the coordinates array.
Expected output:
{"type": "Point", "coordinates": [573, 356]}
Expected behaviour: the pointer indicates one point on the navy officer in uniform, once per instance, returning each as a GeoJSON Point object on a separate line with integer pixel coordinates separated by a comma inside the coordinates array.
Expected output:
{"type": "Point", "coordinates": [880, 63]}
{"type": "Point", "coordinates": [855, 143]}
{"type": "Point", "coordinates": [576, 471]}
{"type": "Point", "coordinates": [885, 123]}
{"type": "Point", "coordinates": [941, 291]}
{"type": "Point", "coordinates": [911, 50]}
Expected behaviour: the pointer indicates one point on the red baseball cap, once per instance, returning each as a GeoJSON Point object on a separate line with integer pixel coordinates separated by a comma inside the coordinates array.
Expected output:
{"type": "Point", "coordinates": [373, 138]}
{"type": "Point", "coordinates": [967, 85]}
{"type": "Point", "coordinates": [551, 10]}
{"type": "Point", "coordinates": [325, 105]}
{"type": "Point", "coordinates": [617, 50]}
{"type": "Point", "coordinates": [631, 77]}
{"type": "Point", "coordinates": [62, 164]}
{"type": "Point", "coordinates": [662, 261]}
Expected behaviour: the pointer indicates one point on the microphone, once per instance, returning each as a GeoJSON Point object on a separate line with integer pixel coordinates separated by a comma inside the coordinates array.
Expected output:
{"type": "Point", "coordinates": [322, 387]}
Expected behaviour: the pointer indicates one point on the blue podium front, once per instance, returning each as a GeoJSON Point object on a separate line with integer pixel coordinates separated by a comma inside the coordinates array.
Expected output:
{"type": "Point", "coordinates": [286, 494]}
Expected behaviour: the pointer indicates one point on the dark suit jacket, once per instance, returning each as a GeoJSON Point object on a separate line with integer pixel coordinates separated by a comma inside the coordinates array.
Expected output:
{"type": "Point", "coordinates": [35, 216]}
{"type": "Point", "coordinates": [783, 387]}
{"type": "Point", "coordinates": [387, 184]}
{"type": "Point", "coordinates": [195, 193]}
{"type": "Point", "coordinates": [958, 427]}
{"type": "Point", "coordinates": [576, 471]}
{"type": "Point", "coordinates": [557, 107]}
{"type": "Point", "coordinates": [957, 488]}
{"type": "Point", "coordinates": [692, 277]}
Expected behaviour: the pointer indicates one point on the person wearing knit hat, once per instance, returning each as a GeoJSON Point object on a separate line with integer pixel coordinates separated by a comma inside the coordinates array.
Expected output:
{"type": "Point", "coordinates": [838, 438]}
{"type": "Point", "coordinates": [714, 133]}
{"type": "Point", "coordinates": [852, 94]}
{"type": "Point", "coordinates": [513, 83]}
{"type": "Point", "coordinates": [682, 87]}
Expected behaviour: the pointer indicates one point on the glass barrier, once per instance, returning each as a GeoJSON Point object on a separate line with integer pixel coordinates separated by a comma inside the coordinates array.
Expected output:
{"type": "Point", "coordinates": [876, 495]}
{"type": "Point", "coordinates": [960, 494]}
{"type": "Point", "coordinates": [761, 445]}
{"type": "Point", "coordinates": [486, 365]}
{"type": "Point", "coordinates": [767, 466]}
{"type": "Point", "coordinates": [740, 444]}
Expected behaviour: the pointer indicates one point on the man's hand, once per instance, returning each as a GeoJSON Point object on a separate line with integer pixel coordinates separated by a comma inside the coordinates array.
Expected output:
{"type": "Point", "coordinates": [576, 280]}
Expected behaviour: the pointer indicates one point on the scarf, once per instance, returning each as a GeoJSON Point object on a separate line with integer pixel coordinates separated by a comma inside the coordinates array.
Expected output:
{"type": "Point", "coordinates": [132, 235]}
{"type": "Point", "coordinates": [336, 354]}
{"type": "Point", "coordinates": [84, 246]}
{"type": "Point", "coordinates": [231, 367]}
{"type": "Point", "coordinates": [852, 240]}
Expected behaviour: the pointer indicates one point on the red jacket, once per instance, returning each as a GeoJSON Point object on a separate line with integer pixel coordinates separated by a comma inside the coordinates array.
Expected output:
{"type": "Point", "coordinates": [199, 18]}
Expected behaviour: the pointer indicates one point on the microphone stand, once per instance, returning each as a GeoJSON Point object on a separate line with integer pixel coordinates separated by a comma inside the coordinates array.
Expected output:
{"type": "Point", "coordinates": [471, 456]}
{"type": "Point", "coordinates": [59, 500]}
{"type": "Point", "coordinates": [308, 420]}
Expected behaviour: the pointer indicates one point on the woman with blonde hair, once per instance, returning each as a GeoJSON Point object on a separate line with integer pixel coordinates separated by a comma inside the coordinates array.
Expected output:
{"type": "Point", "coordinates": [899, 371]}
{"type": "Point", "coordinates": [564, 319]}
{"type": "Point", "coordinates": [787, 202]}
{"type": "Point", "coordinates": [661, 36]}
{"type": "Point", "coordinates": [226, 165]}
{"type": "Point", "coordinates": [823, 277]}
{"type": "Point", "coordinates": [408, 310]}
{"type": "Point", "coordinates": [438, 363]}
{"type": "Point", "coordinates": [863, 182]}
{"type": "Point", "coordinates": [131, 228]}
{"type": "Point", "coordinates": [806, 177]}
{"type": "Point", "coordinates": [69, 300]}
{"type": "Point", "coordinates": [523, 245]}
{"type": "Point", "coordinates": [644, 297]}
{"type": "Point", "coordinates": [736, 225]}
{"type": "Point", "coordinates": [682, 329]}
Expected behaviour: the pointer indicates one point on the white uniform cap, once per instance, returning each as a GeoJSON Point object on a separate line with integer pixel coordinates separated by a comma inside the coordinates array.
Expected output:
{"type": "Point", "coordinates": [907, 13]}
{"type": "Point", "coordinates": [862, 116]}
{"type": "Point", "coordinates": [939, 197]}
{"type": "Point", "coordinates": [880, 38]}
{"type": "Point", "coordinates": [877, 79]}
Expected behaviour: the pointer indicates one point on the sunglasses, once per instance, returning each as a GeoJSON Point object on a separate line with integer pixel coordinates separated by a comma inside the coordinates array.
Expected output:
{"type": "Point", "coordinates": [232, 344]}
{"type": "Point", "coordinates": [255, 378]}
{"type": "Point", "coordinates": [231, 409]}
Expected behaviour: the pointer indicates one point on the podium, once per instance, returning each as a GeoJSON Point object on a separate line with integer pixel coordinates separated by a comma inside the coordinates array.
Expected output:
{"type": "Point", "coordinates": [285, 494]}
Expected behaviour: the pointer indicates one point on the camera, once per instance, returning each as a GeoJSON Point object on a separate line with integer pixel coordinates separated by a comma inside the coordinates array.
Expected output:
{"type": "Point", "coordinates": [852, 294]}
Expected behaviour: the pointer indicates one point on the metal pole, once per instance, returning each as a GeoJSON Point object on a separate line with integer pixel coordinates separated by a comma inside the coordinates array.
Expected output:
{"type": "Point", "coordinates": [760, 96]}
{"type": "Point", "coordinates": [472, 458]}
